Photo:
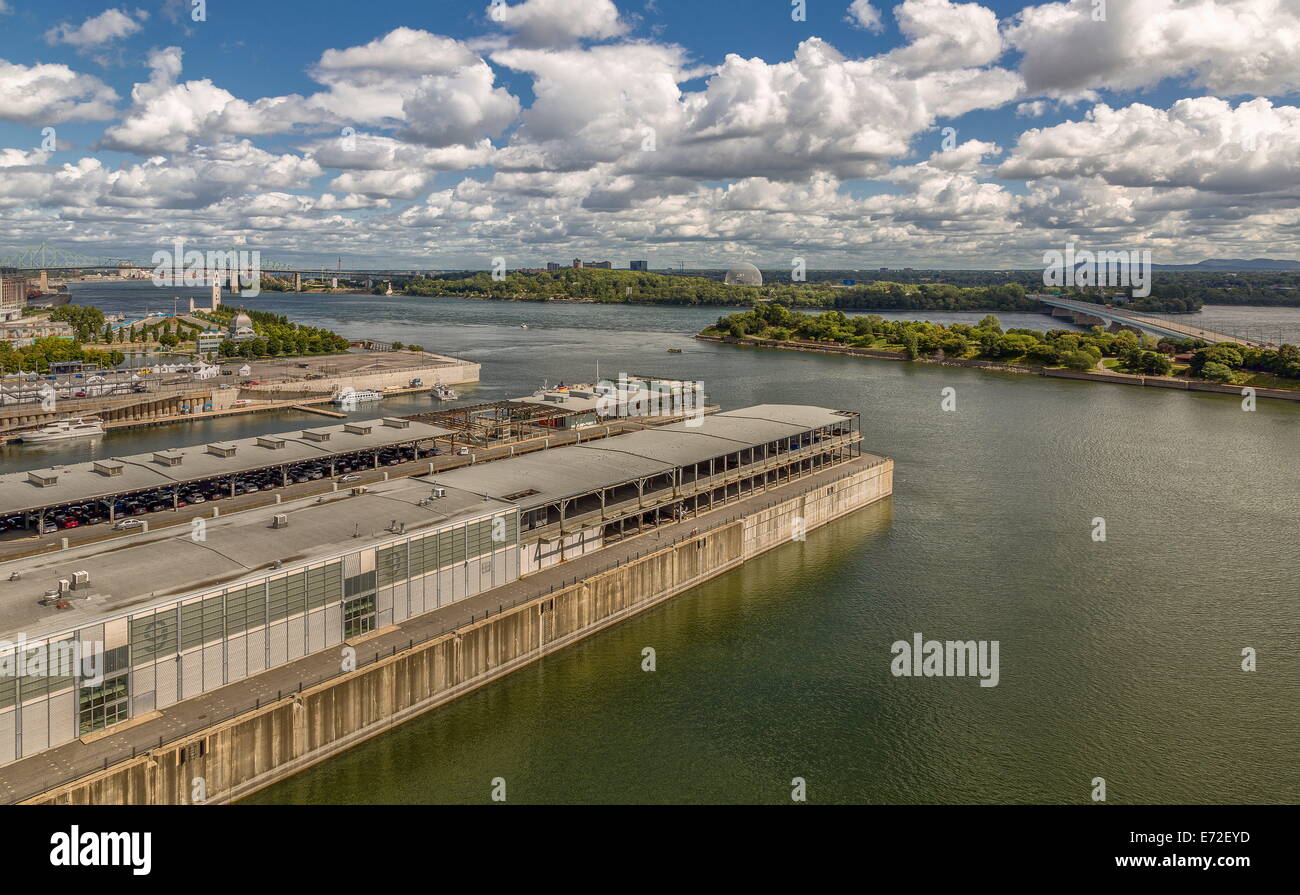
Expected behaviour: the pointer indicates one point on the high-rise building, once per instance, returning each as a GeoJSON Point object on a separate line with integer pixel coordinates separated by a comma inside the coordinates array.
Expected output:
{"type": "Point", "coordinates": [13, 289]}
{"type": "Point", "coordinates": [640, 265]}
{"type": "Point", "coordinates": [577, 263]}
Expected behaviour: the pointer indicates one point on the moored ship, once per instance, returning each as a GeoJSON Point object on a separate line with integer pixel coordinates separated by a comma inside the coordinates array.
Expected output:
{"type": "Point", "coordinates": [73, 427]}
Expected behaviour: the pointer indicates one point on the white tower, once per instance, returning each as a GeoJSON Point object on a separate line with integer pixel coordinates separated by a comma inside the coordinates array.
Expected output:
{"type": "Point", "coordinates": [216, 291]}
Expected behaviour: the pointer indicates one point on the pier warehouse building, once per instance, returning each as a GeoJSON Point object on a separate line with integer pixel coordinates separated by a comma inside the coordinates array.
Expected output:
{"type": "Point", "coordinates": [168, 617]}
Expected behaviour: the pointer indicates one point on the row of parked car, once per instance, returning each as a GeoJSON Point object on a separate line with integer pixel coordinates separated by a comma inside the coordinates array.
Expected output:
{"type": "Point", "coordinates": [126, 508]}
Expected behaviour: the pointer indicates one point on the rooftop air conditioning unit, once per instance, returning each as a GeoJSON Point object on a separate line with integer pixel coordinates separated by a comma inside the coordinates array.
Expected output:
{"type": "Point", "coordinates": [64, 585]}
{"type": "Point", "coordinates": [80, 580]}
{"type": "Point", "coordinates": [439, 493]}
{"type": "Point", "coordinates": [280, 520]}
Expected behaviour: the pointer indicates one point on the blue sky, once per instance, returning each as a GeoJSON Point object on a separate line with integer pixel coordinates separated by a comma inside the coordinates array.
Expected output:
{"type": "Point", "coordinates": [438, 134]}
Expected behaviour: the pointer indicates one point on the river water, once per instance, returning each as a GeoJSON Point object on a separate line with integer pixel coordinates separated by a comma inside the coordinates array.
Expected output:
{"type": "Point", "coordinates": [1118, 659]}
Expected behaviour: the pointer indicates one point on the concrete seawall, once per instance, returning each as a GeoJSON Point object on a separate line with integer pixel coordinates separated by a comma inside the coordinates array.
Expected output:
{"type": "Point", "coordinates": [234, 758]}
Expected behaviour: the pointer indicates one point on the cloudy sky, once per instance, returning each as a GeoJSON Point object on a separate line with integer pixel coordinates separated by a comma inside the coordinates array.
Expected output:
{"type": "Point", "coordinates": [858, 133]}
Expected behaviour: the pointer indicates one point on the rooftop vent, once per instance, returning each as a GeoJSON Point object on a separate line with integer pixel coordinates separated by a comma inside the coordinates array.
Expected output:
{"type": "Point", "coordinates": [43, 478]}
{"type": "Point", "coordinates": [358, 428]}
{"type": "Point", "coordinates": [397, 422]}
{"type": "Point", "coordinates": [274, 442]}
{"type": "Point", "coordinates": [108, 467]}
{"type": "Point", "coordinates": [280, 520]}
{"type": "Point", "coordinates": [518, 495]}
{"type": "Point", "coordinates": [168, 458]}
{"type": "Point", "coordinates": [557, 397]}
{"type": "Point", "coordinates": [316, 434]}
{"type": "Point", "coordinates": [221, 449]}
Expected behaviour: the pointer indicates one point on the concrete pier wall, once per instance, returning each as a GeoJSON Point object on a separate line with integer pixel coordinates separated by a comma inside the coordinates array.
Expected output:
{"type": "Point", "coordinates": [246, 753]}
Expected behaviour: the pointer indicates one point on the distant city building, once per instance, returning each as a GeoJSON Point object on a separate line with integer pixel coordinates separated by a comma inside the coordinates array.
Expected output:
{"type": "Point", "coordinates": [18, 331]}
{"type": "Point", "coordinates": [241, 328]}
{"type": "Point", "coordinates": [640, 265]}
{"type": "Point", "coordinates": [744, 274]}
{"type": "Point", "coordinates": [551, 265]}
{"type": "Point", "coordinates": [210, 340]}
{"type": "Point", "coordinates": [603, 265]}
{"type": "Point", "coordinates": [577, 263]}
{"type": "Point", "coordinates": [13, 289]}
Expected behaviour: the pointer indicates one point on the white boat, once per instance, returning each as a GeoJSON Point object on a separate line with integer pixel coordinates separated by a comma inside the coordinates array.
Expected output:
{"type": "Point", "coordinates": [74, 427]}
{"type": "Point", "coordinates": [444, 393]}
{"type": "Point", "coordinates": [349, 397]}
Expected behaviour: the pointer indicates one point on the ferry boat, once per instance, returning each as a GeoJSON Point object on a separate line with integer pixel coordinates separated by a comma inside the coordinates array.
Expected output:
{"type": "Point", "coordinates": [444, 393]}
{"type": "Point", "coordinates": [350, 396]}
{"type": "Point", "coordinates": [74, 427]}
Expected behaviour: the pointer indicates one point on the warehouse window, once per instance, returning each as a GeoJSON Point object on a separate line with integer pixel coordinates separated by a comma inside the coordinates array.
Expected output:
{"type": "Point", "coordinates": [324, 585]}
{"type": "Point", "coordinates": [391, 563]}
{"type": "Point", "coordinates": [358, 584]}
{"type": "Point", "coordinates": [153, 636]}
{"type": "Point", "coordinates": [359, 616]}
{"type": "Point", "coordinates": [104, 704]}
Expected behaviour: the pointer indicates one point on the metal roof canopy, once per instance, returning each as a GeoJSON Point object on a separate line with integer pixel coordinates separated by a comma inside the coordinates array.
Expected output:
{"type": "Point", "coordinates": [574, 470]}
{"type": "Point", "coordinates": [80, 482]}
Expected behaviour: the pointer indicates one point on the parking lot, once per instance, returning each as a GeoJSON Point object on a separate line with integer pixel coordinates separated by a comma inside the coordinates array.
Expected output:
{"type": "Point", "coordinates": [129, 510]}
{"type": "Point", "coordinates": [243, 492]}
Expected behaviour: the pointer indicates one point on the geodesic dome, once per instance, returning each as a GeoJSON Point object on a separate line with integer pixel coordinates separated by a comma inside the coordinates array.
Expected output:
{"type": "Point", "coordinates": [744, 274]}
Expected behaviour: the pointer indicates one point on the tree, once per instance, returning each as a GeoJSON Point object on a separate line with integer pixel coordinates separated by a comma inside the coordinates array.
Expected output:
{"type": "Point", "coordinates": [1078, 360]}
{"type": "Point", "coordinates": [1216, 372]}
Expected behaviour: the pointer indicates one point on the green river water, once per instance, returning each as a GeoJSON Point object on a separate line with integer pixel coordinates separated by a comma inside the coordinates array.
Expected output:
{"type": "Point", "coordinates": [1118, 659]}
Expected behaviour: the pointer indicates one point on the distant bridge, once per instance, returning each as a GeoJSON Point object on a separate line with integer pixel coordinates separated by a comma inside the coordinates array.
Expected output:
{"type": "Point", "coordinates": [50, 259]}
{"type": "Point", "coordinates": [1088, 314]}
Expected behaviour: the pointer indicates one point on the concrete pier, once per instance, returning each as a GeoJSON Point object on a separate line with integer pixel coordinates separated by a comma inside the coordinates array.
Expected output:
{"type": "Point", "coordinates": [431, 659]}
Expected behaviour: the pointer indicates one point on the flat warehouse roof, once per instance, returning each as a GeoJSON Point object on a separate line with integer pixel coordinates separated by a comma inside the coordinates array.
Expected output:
{"type": "Point", "coordinates": [549, 476]}
{"type": "Point", "coordinates": [81, 482]}
{"type": "Point", "coordinates": [131, 572]}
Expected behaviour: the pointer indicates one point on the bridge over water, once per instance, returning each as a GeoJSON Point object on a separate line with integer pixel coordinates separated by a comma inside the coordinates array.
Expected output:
{"type": "Point", "coordinates": [1088, 314]}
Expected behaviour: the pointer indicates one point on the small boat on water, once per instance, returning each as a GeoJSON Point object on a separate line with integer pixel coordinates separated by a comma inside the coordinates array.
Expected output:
{"type": "Point", "coordinates": [74, 427]}
{"type": "Point", "coordinates": [349, 396]}
{"type": "Point", "coordinates": [444, 393]}
{"type": "Point", "coordinates": [674, 351]}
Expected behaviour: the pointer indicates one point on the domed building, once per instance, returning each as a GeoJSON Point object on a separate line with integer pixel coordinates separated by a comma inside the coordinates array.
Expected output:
{"type": "Point", "coordinates": [241, 328]}
{"type": "Point", "coordinates": [744, 274]}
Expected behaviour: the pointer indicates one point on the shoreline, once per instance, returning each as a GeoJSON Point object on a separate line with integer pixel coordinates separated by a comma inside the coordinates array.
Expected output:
{"type": "Point", "coordinates": [1170, 382]}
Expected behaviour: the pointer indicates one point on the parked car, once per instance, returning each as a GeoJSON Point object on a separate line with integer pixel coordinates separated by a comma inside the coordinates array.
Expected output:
{"type": "Point", "coordinates": [127, 523]}
{"type": "Point", "coordinates": [349, 478]}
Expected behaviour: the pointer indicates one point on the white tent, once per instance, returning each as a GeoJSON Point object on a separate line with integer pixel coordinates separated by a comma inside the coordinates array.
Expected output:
{"type": "Point", "coordinates": [245, 370]}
